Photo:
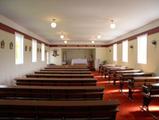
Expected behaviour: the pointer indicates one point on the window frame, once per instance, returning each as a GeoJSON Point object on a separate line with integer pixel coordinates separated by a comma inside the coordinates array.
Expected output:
{"type": "Point", "coordinates": [34, 50]}
{"type": "Point", "coordinates": [125, 51]}
{"type": "Point", "coordinates": [19, 48]}
{"type": "Point", "coordinates": [115, 52]}
{"type": "Point", "coordinates": [42, 52]}
{"type": "Point", "coordinates": [142, 55]}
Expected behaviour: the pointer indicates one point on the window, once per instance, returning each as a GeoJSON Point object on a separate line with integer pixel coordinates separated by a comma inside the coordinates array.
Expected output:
{"type": "Point", "coordinates": [42, 52]}
{"type": "Point", "coordinates": [47, 54]}
{"type": "Point", "coordinates": [115, 52]}
{"type": "Point", "coordinates": [34, 51]}
{"type": "Point", "coordinates": [19, 51]}
{"type": "Point", "coordinates": [125, 51]}
{"type": "Point", "coordinates": [142, 49]}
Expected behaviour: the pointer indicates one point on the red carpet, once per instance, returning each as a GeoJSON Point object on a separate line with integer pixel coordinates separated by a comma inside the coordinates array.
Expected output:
{"type": "Point", "coordinates": [128, 109]}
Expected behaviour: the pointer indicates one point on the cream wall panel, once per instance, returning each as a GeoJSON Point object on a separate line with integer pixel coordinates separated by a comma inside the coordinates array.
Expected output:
{"type": "Point", "coordinates": [152, 57]}
{"type": "Point", "coordinates": [8, 69]}
{"type": "Point", "coordinates": [132, 54]}
{"type": "Point", "coordinates": [58, 59]}
{"type": "Point", "coordinates": [100, 56]}
{"type": "Point", "coordinates": [109, 56]}
{"type": "Point", "coordinates": [78, 53]}
{"type": "Point", "coordinates": [119, 54]}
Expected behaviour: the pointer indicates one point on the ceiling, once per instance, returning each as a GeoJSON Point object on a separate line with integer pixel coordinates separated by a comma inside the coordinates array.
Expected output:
{"type": "Point", "coordinates": [80, 20]}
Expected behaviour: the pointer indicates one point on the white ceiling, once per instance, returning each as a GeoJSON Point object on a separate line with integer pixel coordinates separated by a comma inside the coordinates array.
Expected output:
{"type": "Point", "coordinates": [80, 20]}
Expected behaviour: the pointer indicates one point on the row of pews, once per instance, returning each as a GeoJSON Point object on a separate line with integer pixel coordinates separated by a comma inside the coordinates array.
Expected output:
{"type": "Point", "coordinates": [133, 79]}
{"type": "Point", "coordinates": [56, 92]}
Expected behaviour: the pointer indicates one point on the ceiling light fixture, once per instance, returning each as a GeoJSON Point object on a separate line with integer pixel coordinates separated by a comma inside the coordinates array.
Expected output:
{"type": "Point", "coordinates": [112, 24]}
{"type": "Point", "coordinates": [53, 23]}
{"type": "Point", "coordinates": [65, 41]}
{"type": "Point", "coordinates": [98, 36]}
{"type": "Point", "coordinates": [92, 42]}
{"type": "Point", "coordinates": [62, 36]}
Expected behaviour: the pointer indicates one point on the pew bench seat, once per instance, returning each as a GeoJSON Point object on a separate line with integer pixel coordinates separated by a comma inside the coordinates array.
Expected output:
{"type": "Point", "coordinates": [52, 93]}
{"type": "Point", "coordinates": [150, 92]}
{"type": "Point", "coordinates": [58, 109]}
{"type": "Point", "coordinates": [63, 72]}
{"type": "Point", "coordinates": [56, 81]}
{"type": "Point", "coordinates": [60, 75]}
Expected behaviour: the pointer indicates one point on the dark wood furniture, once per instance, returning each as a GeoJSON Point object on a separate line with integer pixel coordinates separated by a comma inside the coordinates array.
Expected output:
{"type": "Point", "coordinates": [126, 77]}
{"type": "Point", "coordinates": [138, 82]}
{"type": "Point", "coordinates": [63, 69]}
{"type": "Point", "coordinates": [38, 109]}
{"type": "Point", "coordinates": [52, 93]}
{"type": "Point", "coordinates": [56, 81]}
{"type": "Point", "coordinates": [111, 73]}
{"type": "Point", "coordinates": [63, 72]}
{"type": "Point", "coordinates": [150, 92]}
{"type": "Point", "coordinates": [117, 74]}
{"type": "Point", "coordinates": [60, 75]}
{"type": "Point", "coordinates": [67, 67]}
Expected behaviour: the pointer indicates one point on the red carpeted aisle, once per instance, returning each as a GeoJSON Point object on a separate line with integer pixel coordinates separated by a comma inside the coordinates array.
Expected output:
{"type": "Point", "coordinates": [128, 109]}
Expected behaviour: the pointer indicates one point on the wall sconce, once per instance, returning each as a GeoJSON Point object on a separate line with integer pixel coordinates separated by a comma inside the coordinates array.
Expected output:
{"type": "Point", "coordinates": [131, 46]}
{"type": "Point", "coordinates": [154, 42]}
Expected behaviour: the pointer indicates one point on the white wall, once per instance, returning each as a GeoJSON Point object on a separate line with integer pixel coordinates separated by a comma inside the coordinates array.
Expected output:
{"type": "Point", "coordinates": [58, 59]}
{"type": "Point", "coordinates": [77, 53]}
{"type": "Point", "coordinates": [100, 56]}
{"type": "Point", "coordinates": [8, 69]}
{"type": "Point", "coordinates": [152, 55]}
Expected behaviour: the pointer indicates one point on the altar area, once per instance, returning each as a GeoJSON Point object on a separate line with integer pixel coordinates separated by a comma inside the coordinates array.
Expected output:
{"type": "Point", "coordinates": [79, 61]}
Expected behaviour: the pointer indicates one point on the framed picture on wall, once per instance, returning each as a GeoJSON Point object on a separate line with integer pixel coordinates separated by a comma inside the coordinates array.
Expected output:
{"type": "Point", "coordinates": [11, 45]}
{"type": "Point", "coordinates": [55, 53]}
{"type": "Point", "coordinates": [30, 48]}
{"type": "Point", "coordinates": [26, 48]}
{"type": "Point", "coordinates": [2, 44]}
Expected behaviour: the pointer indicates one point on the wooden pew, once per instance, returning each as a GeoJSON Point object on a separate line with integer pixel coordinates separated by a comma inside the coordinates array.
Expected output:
{"type": "Point", "coordinates": [67, 66]}
{"type": "Point", "coordinates": [150, 92]}
{"type": "Point", "coordinates": [64, 69]}
{"type": "Point", "coordinates": [52, 93]}
{"type": "Point", "coordinates": [60, 75]}
{"type": "Point", "coordinates": [138, 82]}
{"type": "Point", "coordinates": [125, 77]}
{"type": "Point", "coordinates": [63, 72]}
{"type": "Point", "coordinates": [111, 73]}
{"type": "Point", "coordinates": [117, 74]}
{"type": "Point", "coordinates": [102, 68]}
{"type": "Point", "coordinates": [56, 81]}
{"type": "Point", "coordinates": [38, 109]}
